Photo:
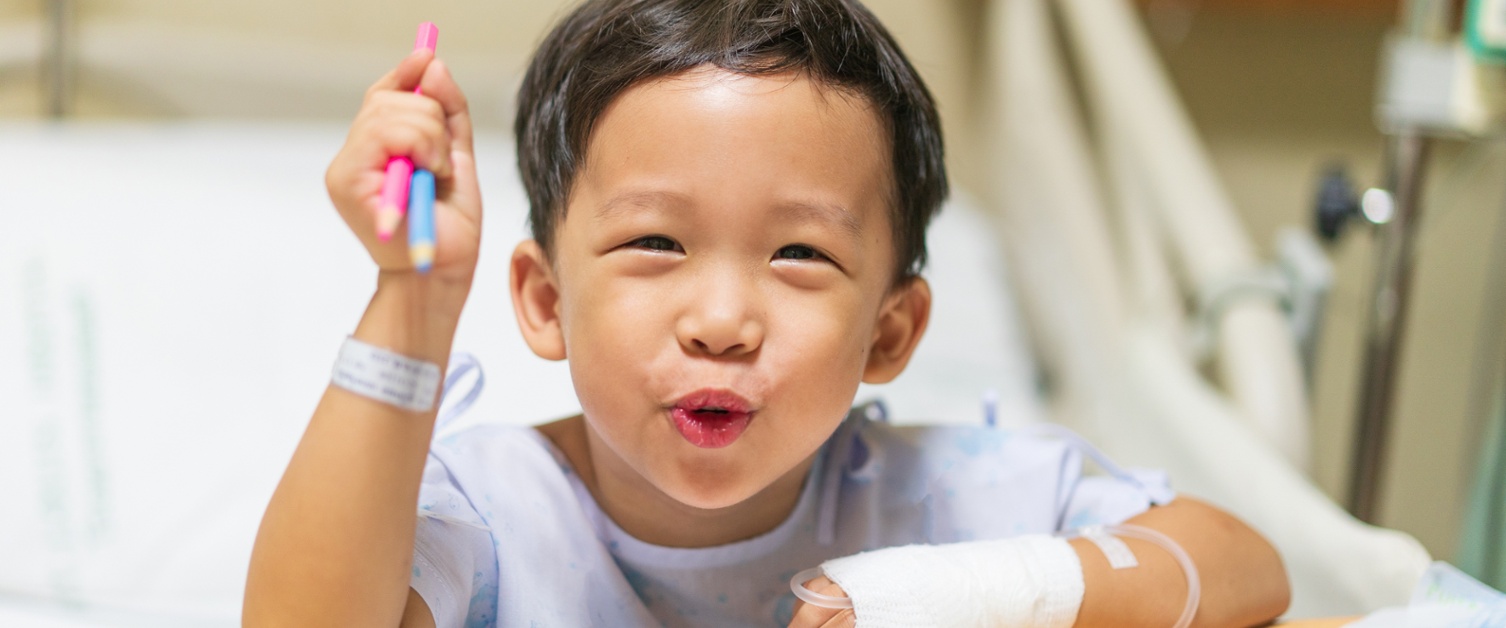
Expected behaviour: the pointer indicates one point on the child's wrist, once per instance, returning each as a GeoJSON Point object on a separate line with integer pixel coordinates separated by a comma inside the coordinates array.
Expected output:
{"type": "Point", "coordinates": [414, 315]}
{"type": "Point", "coordinates": [440, 296]}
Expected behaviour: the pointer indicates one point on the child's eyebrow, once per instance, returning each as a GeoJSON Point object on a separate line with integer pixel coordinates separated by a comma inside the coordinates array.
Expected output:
{"type": "Point", "coordinates": [642, 200]}
{"type": "Point", "coordinates": [832, 215]}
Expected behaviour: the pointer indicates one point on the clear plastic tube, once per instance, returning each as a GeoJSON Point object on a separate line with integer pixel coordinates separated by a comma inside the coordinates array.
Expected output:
{"type": "Point", "coordinates": [1194, 585]}
{"type": "Point", "coordinates": [1189, 609]}
{"type": "Point", "coordinates": [797, 584]}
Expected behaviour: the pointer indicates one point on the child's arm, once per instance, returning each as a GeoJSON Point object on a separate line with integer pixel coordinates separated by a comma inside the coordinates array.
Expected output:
{"type": "Point", "coordinates": [1243, 580]}
{"type": "Point", "coordinates": [336, 543]}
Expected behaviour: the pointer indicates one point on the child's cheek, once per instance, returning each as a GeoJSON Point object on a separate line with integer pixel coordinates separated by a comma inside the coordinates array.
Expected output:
{"type": "Point", "coordinates": [820, 344]}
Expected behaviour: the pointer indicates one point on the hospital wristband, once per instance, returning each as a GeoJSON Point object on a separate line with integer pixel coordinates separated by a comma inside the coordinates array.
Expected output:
{"type": "Point", "coordinates": [385, 376]}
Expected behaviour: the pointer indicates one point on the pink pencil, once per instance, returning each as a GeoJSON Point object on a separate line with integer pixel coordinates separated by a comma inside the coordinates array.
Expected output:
{"type": "Point", "coordinates": [400, 169]}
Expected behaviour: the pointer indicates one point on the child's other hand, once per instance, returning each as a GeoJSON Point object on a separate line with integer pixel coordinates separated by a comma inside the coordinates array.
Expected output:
{"type": "Point", "coordinates": [434, 130]}
{"type": "Point", "coordinates": [812, 616]}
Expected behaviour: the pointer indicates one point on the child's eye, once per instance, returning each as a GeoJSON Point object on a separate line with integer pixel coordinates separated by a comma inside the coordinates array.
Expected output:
{"type": "Point", "coordinates": [798, 252]}
{"type": "Point", "coordinates": [655, 243]}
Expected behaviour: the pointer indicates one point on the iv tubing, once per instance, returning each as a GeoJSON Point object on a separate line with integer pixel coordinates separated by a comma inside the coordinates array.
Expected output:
{"type": "Point", "coordinates": [797, 584]}
{"type": "Point", "coordinates": [1194, 584]}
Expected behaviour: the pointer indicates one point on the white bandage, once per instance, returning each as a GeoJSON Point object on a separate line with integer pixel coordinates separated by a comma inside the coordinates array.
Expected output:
{"type": "Point", "coordinates": [385, 376]}
{"type": "Point", "coordinates": [1033, 581]}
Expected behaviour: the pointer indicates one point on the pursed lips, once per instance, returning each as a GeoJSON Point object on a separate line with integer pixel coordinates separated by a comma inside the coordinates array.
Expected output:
{"type": "Point", "coordinates": [711, 418]}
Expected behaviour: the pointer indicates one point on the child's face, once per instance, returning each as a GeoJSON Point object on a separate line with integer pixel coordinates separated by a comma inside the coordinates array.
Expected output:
{"type": "Point", "coordinates": [721, 281]}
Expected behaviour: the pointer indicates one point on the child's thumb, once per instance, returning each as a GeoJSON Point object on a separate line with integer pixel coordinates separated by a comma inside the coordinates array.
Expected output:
{"type": "Point", "coordinates": [406, 75]}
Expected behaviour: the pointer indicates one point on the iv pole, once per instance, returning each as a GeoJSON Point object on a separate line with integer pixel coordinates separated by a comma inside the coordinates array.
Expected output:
{"type": "Point", "coordinates": [1406, 161]}
{"type": "Point", "coordinates": [57, 64]}
{"type": "Point", "coordinates": [1385, 325]}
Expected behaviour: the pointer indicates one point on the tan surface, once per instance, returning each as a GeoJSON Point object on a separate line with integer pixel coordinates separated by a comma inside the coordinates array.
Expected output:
{"type": "Point", "coordinates": [1318, 623]}
{"type": "Point", "coordinates": [1290, 7]}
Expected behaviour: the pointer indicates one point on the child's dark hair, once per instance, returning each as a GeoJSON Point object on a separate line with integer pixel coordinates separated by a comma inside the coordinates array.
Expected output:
{"type": "Point", "coordinates": [606, 46]}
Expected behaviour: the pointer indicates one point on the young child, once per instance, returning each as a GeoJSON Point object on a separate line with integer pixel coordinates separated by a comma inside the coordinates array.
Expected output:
{"type": "Point", "coordinates": [729, 202]}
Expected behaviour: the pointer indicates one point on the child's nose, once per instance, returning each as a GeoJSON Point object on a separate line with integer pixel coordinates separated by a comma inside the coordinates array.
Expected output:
{"type": "Point", "coordinates": [721, 321]}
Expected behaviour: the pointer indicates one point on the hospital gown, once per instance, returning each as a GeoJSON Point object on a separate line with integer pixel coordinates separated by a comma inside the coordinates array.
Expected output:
{"type": "Point", "coordinates": [508, 535]}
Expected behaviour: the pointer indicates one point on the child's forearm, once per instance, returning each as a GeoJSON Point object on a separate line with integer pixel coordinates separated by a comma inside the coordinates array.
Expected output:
{"type": "Point", "coordinates": [1243, 580]}
{"type": "Point", "coordinates": [335, 546]}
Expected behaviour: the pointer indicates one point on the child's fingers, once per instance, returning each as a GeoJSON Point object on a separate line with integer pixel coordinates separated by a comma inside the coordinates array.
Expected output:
{"type": "Point", "coordinates": [419, 139]}
{"type": "Point", "coordinates": [406, 75]}
{"type": "Point", "coordinates": [410, 125]}
{"type": "Point", "coordinates": [433, 129]}
{"type": "Point", "coordinates": [811, 616]}
{"type": "Point", "coordinates": [423, 139]}
{"type": "Point", "coordinates": [461, 190]}
{"type": "Point", "coordinates": [439, 85]}
{"type": "Point", "coordinates": [843, 619]}
{"type": "Point", "coordinates": [389, 102]}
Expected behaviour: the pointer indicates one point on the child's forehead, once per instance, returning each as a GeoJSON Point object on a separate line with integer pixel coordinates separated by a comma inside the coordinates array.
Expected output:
{"type": "Point", "coordinates": [712, 77]}
{"type": "Point", "coordinates": [753, 122]}
{"type": "Point", "coordinates": [791, 97]}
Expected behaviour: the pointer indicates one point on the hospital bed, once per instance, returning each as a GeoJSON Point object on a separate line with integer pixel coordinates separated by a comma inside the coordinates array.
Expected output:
{"type": "Point", "coordinates": [171, 296]}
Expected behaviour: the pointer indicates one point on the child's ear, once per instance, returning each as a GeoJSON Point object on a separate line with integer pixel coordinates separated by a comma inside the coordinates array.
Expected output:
{"type": "Point", "coordinates": [901, 323]}
{"type": "Point", "coordinates": [536, 301]}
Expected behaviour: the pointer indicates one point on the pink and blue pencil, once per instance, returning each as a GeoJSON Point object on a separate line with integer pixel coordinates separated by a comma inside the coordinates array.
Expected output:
{"type": "Point", "coordinates": [421, 220]}
{"type": "Point", "coordinates": [400, 169]}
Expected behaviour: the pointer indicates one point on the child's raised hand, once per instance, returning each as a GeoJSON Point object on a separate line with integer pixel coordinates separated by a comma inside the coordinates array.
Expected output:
{"type": "Point", "coordinates": [434, 130]}
{"type": "Point", "coordinates": [812, 616]}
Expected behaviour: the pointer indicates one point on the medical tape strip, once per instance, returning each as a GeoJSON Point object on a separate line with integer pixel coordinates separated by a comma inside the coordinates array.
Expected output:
{"type": "Point", "coordinates": [385, 376]}
{"type": "Point", "coordinates": [1113, 547]}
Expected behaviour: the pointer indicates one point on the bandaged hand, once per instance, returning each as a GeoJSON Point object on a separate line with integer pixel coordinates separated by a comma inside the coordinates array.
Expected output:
{"type": "Point", "coordinates": [1034, 581]}
{"type": "Point", "coordinates": [812, 616]}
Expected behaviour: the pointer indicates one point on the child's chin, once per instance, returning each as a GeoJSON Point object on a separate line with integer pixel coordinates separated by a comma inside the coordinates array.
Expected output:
{"type": "Point", "coordinates": [713, 493]}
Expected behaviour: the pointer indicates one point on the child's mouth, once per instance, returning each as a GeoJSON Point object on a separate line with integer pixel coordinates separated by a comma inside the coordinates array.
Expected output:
{"type": "Point", "coordinates": [711, 419]}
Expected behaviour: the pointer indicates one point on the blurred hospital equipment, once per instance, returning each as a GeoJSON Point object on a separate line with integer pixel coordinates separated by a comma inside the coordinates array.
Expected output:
{"type": "Point", "coordinates": [164, 349]}
{"type": "Point", "coordinates": [1436, 83]}
{"type": "Point", "coordinates": [1102, 279]}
